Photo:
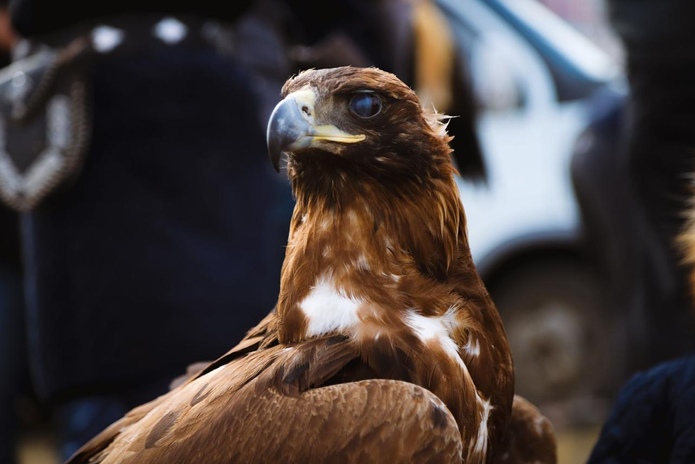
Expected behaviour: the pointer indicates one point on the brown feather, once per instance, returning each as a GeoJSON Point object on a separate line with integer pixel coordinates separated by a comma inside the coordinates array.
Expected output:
{"type": "Point", "coordinates": [530, 438]}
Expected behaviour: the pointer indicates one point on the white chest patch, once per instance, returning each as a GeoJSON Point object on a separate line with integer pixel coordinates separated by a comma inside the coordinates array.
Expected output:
{"type": "Point", "coordinates": [436, 328]}
{"type": "Point", "coordinates": [328, 309]}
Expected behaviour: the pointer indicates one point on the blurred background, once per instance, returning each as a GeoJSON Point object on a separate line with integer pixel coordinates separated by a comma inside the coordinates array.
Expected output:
{"type": "Point", "coordinates": [545, 73]}
{"type": "Point", "coordinates": [549, 86]}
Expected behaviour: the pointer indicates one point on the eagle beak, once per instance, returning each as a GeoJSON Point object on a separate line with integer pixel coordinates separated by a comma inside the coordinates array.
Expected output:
{"type": "Point", "coordinates": [292, 126]}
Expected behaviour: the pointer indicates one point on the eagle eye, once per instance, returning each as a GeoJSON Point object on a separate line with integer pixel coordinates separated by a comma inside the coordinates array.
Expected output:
{"type": "Point", "coordinates": [365, 105]}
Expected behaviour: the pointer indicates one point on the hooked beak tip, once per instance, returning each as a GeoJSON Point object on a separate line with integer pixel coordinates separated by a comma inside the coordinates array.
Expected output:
{"type": "Point", "coordinates": [285, 127]}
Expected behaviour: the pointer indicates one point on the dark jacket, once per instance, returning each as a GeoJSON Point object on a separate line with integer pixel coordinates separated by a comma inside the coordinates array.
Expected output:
{"type": "Point", "coordinates": [9, 219]}
{"type": "Point", "coordinates": [655, 30]}
{"type": "Point", "coordinates": [168, 246]}
{"type": "Point", "coordinates": [653, 419]}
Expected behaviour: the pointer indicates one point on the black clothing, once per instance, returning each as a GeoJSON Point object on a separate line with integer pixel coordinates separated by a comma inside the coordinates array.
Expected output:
{"type": "Point", "coordinates": [10, 255]}
{"type": "Point", "coordinates": [35, 17]}
{"type": "Point", "coordinates": [656, 160]}
{"type": "Point", "coordinates": [655, 30]}
{"type": "Point", "coordinates": [168, 247]}
{"type": "Point", "coordinates": [9, 238]}
{"type": "Point", "coordinates": [653, 420]}
{"type": "Point", "coordinates": [14, 376]}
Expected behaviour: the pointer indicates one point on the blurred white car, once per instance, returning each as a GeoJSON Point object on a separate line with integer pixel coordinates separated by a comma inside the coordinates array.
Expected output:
{"type": "Point", "coordinates": [534, 77]}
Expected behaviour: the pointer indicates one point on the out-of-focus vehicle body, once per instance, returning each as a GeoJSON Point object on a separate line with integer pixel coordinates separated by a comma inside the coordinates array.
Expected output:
{"type": "Point", "coordinates": [536, 80]}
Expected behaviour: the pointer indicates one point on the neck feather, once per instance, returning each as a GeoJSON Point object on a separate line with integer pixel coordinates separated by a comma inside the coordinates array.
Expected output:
{"type": "Point", "coordinates": [367, 245]}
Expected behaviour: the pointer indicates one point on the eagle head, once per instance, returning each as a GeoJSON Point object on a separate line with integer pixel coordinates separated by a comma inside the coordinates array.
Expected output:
{"type": "Point", "coordinates": [348, 122]}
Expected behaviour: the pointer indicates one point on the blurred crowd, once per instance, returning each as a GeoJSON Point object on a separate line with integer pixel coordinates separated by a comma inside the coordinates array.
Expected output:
{"type": "Point", "coordinates": [165, 245]}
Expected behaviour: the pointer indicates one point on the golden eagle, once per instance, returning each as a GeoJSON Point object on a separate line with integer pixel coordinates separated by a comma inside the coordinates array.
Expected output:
{"type": "Point", "coordinates": [384, 345]}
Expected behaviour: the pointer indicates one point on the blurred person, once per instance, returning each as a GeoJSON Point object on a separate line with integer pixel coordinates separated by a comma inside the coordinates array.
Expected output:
{"type": "Point", "coordinates": [659, 42]}
{"type": "Point", "coordinates": [167, 247]}
{"type": "Point", "coordinates": [633, 193]}
{"type": "Point", "coordinates": [659, 39]}
{"type": "Point", "coordinates": [649, 190]}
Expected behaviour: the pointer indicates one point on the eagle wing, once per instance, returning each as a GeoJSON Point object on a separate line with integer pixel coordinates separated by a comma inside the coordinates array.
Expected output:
{"type": "Point", "coordinates": [269, 406]}
{"type": "Point", "coordinates": [264, 333]}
